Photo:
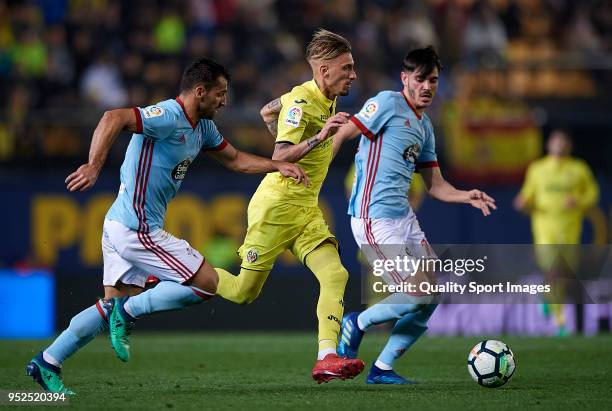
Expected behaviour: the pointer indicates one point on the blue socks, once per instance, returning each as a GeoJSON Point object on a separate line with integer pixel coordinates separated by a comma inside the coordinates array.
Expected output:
{"type": "Point", "coordinates": [406, 332]}
{"type": "Point", "coordinates": [87, 324]}
{"type": "Point", "coordinates": [82, 329]}
{"type": "Point", "coordinates": [166, 296]}
{"type": "Point", "coordinates": [393, 307]}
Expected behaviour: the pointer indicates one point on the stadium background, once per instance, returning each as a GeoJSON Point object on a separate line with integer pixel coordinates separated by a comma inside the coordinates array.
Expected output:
{"type": "Point", "coordinates": [513, 71]}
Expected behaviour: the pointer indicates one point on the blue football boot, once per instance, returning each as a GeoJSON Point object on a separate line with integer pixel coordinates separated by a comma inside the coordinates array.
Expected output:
{"type": "Point", "coordinates": [350, 336]}
{"type": "Point", "coordinates": [378, 376]}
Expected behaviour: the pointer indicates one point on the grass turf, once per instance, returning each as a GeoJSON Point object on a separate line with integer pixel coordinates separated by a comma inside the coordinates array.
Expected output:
{"type": "Point", "coordinates": [264, 371]}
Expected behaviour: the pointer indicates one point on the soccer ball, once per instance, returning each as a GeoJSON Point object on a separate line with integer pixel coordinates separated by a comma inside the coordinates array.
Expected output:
{"type": "Point", "coordinates": [491, 363]}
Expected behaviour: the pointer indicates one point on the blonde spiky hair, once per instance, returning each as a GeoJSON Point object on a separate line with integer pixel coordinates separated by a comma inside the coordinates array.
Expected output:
{"type": "Point", "coordinates": [326, 45]}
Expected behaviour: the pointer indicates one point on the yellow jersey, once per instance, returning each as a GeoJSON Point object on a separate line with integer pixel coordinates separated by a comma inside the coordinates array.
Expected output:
{"type": "Point", "coordinates": [549, 184]}
{"type": "Point", "coordinates": [304, 112]}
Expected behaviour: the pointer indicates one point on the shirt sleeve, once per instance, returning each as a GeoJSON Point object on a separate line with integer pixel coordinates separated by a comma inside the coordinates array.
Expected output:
{"type": "Point", "coordinates": [427, 157]}
{"type": "Point", "coordinates": [373, 116]}
{"type": "Point", "coordinates": [293, 117]}
{"type": "Point", "coordinates": [213, 140]}
{"type": "Point", "coordinates": [155, 122]}
{"type": "Point", "coordinates": [590, 188]}
{"type": "Point", "coordinates": [528, 189]}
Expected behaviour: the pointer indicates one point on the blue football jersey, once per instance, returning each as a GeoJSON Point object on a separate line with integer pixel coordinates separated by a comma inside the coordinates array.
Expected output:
{"type": "Point", "coordinates": [156, 162]}
{"type": "Point", "coordinates": [395, 140]}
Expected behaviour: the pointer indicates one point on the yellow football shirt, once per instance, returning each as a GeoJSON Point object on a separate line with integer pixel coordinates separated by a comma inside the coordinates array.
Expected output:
{"type": "Point", "coordinates": [550, 182]}
{"type": "Point", "coordinates": [304, 113]}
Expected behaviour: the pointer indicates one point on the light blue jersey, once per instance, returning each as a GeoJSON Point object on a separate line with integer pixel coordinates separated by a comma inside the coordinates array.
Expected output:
{"type": "Point", "coordinates": [395, 140]}
{"type": "Point", "coordinates": [156, 162]}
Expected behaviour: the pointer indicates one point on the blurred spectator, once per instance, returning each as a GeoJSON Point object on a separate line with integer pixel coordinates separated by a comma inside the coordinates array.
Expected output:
{"type": "Point", "coordinates": [52, 48]}
{"type": "Point", "coordinates": [101, 83]}
{"type": "Point", "coordinates": [169, 33]}
{"type": "Point", "coordinates": [61, 64]}
{"type": "Point", "coordinates": [485, 34]}
{"type": "Point", "coordinates": [30, 55]}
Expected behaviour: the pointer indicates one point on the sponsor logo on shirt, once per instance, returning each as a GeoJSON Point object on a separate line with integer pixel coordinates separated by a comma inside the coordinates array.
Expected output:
{"type": "Point", "coordinates": [179, 172]}
{"type": "Point", "coordinates": [412, 153]}
{"type": "Point", "coordinates": [369, 110]}
{"type": "Point", "coordinates": [153, 111]}
{"type": "Point", "coordinates": [293, 117]}
{"type": "Point", "coordinates": [300, 101]}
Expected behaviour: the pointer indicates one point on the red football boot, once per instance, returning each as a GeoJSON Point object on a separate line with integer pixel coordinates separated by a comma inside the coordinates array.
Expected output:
{"type": "Point", "coordinates": [334, 367]}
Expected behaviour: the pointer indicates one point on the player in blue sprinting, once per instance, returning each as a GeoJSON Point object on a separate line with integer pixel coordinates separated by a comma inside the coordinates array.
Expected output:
{"type": "Point", "coordinates": [167, 138]}
{"type": "Point", "coordinates": [397, 138]}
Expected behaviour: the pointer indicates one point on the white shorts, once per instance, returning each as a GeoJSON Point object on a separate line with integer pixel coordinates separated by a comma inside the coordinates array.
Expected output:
{"type": "Point", "coordinates": [387, 239]}
{"type": "Point", "coordinates": [130, 256]}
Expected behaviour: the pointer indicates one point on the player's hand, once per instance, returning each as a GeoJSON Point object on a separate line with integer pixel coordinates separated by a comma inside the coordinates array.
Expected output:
{"type": "Point", "coordinates": [482, 201]}
{"type": "Point", "coordinates": [82, 179]}
{"type": "Point", "coordinates": [291, 170]}
{"type": "Point", "coordinates": [332, 124]}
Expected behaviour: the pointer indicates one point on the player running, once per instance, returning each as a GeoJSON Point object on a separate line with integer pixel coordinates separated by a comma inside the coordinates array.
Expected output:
{"type": "Point", "coordinates": [167, 137]}
{"type": "Point", "coordinates": [558, 190]}
{"type": "Point", "coordinates": [283, 215]}
{"type": "Point", "coordinates": [397, 138]}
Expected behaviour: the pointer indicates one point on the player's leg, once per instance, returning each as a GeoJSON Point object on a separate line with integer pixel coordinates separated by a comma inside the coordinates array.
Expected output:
{"type": "Point", "coordinates": [385, 239]}
{"type": "Point", "coordinates": [186, 279]}
{"type": "Point", "coordinates": [243, 288]}
{"type": "Point", "coordinates": [391, 308]}
{"type": "Point", "coordinates": [168, 295]}
{"type": "Point", "coordinates": [317, 248]}
{"type": "Point", "coordinates": [325, 264]}
{"type": "Point", "coordinates": [272, 228]}
{"type": "Point", "coordinates": [406, 332]}
{"type": "Point", "coordinates": [46, 366]}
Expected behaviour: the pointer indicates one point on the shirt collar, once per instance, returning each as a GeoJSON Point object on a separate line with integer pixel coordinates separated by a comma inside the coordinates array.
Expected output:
{"type": "Point", "coordinates": [312, 86]}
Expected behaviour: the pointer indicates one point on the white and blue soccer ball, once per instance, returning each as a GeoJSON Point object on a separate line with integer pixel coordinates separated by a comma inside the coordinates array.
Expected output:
{"type": "Point", "coordinates": [491, 363]}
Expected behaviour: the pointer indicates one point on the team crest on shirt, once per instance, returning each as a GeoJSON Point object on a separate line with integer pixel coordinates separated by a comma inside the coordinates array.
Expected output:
{"type": "Point", "coordinates": [293, 117]}
{"type": "Point", "coordinates": [412, 153]}
{"type": "Point", "coordinates": [180, 171]}
{"type": "Point", "coordinates": [252, 255]}
{"type": "Point", "coordinates": [153, 111]}
{"type": "Point", "coordinates": [369, 110]}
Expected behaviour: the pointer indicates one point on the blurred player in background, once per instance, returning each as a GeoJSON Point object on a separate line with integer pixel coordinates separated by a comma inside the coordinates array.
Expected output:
{"type": "Point", "coordinates": [283, 215]}
{"type": "Point", "coordinates": [397, 138]}
{"type": "Point", "coordinates": [557, 191]}
{"type": "Point", "coordinates": [167, 138]}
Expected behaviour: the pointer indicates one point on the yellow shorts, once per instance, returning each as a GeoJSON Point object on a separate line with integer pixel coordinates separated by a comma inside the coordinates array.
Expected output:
{"type": "Point", "coordinates": [563, 257]}
{"type": "Point", "coordinates": [275, 226]}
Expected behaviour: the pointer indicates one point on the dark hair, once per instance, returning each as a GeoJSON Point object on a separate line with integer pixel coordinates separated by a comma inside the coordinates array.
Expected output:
{"type": "Point", "coordinates": [424, 60]}
{"type": "Point", "coordinates": [567, 135]}
{"type": "Point", "coordinates": [203, 71]}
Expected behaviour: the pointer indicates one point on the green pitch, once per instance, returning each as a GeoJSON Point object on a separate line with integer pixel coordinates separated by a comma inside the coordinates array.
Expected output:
{"type": "Point", "coordinates": [211, 371]}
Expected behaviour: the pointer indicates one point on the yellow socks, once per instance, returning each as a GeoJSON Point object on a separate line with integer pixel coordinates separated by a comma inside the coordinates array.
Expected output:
{"type": "Point", "coordinates": [325, 264]}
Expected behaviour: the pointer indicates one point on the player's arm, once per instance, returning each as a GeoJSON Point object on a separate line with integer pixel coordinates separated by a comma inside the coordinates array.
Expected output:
{"type": "Point", "coordinates": [347, 132]}
{"type": "Point", "coordinates": [242, 162]}
{"type": "Point", "coordinates": [269, 113]}
{"type": "Point", "coordinates": [104, 136]}
{"type": "Point", "coordinates": [590, 190]}
{"type": "Point", "coordinates": [286, 151]}
{"type": "Point", "coordinates": [442, 190]}
{"type": "Point", "coordinates": [524, 200]}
